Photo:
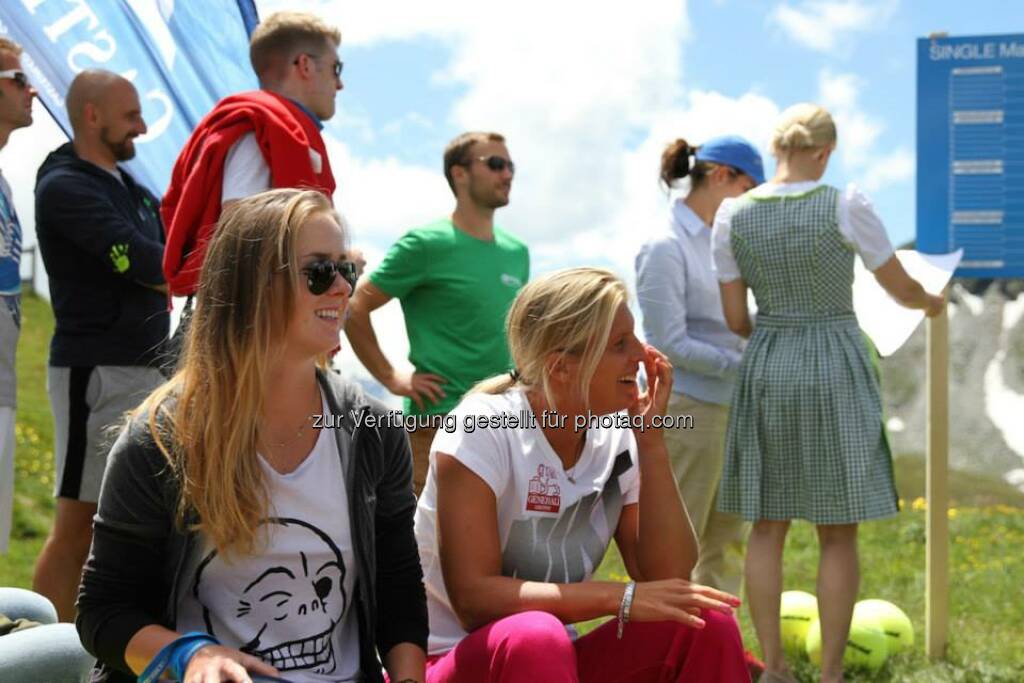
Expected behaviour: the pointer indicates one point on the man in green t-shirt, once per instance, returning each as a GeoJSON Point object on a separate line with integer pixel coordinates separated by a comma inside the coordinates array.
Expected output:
{"type": "Point", "coordinates": [455, 278]}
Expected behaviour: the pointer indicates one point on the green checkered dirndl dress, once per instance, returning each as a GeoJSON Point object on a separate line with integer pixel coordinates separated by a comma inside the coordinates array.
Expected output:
{"type": "Point", "coordinates": [805, 437]}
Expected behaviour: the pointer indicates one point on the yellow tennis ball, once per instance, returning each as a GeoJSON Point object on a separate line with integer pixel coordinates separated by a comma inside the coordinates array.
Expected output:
{"type": "Point", "coordinates": [894, 622]}
{"type": "Point", "coordinates": [866, 646]}
{"type": "Point", "coordinates": [797, 610]}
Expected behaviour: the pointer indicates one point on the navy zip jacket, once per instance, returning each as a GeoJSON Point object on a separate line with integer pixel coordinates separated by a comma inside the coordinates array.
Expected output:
{"type": "Point", "coordinates": [138, 551]}
{"type": "Point", "coordinates": [102, 242]}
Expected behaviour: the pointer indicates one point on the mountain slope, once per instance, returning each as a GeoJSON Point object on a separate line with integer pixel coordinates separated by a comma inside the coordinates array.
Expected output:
{"type": "Point", "coordinates": [986, 349]}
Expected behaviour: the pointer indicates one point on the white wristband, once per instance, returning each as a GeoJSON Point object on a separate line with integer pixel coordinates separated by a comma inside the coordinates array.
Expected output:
{"type": "Point", "coordinates": [624, 606]}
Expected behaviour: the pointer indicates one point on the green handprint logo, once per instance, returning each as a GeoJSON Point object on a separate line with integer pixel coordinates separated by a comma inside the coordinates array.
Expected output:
{"type": "Point", "coordinates": [119, 256]}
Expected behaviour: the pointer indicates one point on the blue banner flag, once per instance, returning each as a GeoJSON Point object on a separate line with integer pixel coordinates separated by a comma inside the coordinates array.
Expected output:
{"type": "Point", "coordinates": [182, 56]}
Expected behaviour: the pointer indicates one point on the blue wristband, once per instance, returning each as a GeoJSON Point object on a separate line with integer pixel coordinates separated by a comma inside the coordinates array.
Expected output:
{"type": "Point", "coordinates": [174, 657]}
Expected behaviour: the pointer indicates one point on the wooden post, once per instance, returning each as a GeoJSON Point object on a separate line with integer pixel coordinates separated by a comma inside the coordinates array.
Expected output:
{"type": "Point", "coordinates": [937, 489]}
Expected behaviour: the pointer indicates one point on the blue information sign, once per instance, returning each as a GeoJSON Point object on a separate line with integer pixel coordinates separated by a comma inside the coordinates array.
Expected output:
{"type": "Point", "coordinates": [970, 152]}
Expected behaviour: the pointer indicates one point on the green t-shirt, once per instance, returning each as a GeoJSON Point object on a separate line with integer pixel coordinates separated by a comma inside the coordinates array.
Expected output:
{"type": "Point", "coordinates": [455, 291]}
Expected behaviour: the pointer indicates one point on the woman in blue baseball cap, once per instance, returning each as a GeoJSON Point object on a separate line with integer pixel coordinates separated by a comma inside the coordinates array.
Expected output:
{"type": "Point", "coordinates": [682, 317]}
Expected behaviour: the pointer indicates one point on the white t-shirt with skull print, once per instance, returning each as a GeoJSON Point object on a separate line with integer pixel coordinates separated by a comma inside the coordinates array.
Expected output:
{"type": "Point", "coordinates": [553, 525]}
{"type": "Point", "coordinates": [289, 605]}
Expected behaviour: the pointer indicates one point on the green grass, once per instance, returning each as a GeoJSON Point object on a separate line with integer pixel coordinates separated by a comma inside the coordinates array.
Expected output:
{"type": "Point", "coordinates": [986, 535]}
{"type": "Point", "coordinates": [33, 459]}
{"type": "Point", "coordinates": [986, 567]}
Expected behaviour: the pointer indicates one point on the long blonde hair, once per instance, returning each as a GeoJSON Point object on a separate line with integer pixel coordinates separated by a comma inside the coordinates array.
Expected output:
{"type": "Point", "coordinates": [803, 126]}
{"type": "Point", "coordinates": [566, 312]}
{"type": "Point", "coordinates": [205, 418]}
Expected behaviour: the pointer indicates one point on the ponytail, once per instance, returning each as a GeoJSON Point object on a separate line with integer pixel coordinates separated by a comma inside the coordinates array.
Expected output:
{"type": "Point", "coordinates": [675, 162]}
{"type": "Point", "coordinates": [498, 384]}
{"type": "Point", "coordinates": [565, 312]}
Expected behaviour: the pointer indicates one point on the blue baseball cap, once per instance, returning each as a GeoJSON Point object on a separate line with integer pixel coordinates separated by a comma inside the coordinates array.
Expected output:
{"type": "Point", "coordinates": [732, 150]}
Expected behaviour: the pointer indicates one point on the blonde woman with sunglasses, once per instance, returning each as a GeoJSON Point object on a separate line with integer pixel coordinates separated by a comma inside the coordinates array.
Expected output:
{"type": "Point", "coordinates": [235, 537]}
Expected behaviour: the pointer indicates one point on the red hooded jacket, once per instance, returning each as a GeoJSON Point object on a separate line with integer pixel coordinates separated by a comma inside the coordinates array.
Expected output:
{"type": "Point", "coordinates": [191, 206]}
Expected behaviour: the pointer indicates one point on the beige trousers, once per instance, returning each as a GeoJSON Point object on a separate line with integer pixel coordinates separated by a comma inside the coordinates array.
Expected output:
{"type": "Point", "coordinates": [697, 455]}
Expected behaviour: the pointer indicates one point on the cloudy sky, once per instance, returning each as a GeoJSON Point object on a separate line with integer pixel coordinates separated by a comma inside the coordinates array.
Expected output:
{"type": "Point", "coordinates": [588, 94]}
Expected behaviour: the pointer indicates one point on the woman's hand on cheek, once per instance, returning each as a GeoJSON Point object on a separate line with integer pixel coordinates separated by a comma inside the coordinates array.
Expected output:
{"type": "Point", "coordinates": [659, 379]}
{"type": "Point", "coordinates": [654, 401]}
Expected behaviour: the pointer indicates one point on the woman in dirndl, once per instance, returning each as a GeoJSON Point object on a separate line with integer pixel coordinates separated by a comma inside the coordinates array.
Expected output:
{"type": "Point", "coordinates": [805, 438]}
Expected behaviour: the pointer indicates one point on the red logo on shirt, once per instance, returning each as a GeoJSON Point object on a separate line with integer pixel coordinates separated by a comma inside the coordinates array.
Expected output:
{"type": "Point", "coordinates": [544, 494]}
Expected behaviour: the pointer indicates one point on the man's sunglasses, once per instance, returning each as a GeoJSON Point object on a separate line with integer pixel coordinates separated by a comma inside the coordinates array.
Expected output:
{"type": "Point", "coordinates": [498, 164]}
{"type": "Point", "coordinates": [338, 64]}
{"type": "Point", "coordinates": [320, 275]}
{"type": "Point", "coordinates": [19, 77]}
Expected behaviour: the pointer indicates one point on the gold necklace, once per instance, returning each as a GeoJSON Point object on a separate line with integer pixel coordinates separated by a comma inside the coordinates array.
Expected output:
{"type": "Point", "coordinates": [298, 432]}
{"type": "Point", "coordinates": [298, 435]}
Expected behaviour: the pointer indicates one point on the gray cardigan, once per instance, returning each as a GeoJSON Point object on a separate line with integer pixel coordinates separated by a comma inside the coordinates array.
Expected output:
{"type": "Point", "coordinates": [131, 577]}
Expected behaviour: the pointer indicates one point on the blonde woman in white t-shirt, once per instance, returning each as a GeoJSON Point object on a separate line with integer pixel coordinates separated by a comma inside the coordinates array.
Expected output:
{"type": "Point", "coordinates": [536, 473]}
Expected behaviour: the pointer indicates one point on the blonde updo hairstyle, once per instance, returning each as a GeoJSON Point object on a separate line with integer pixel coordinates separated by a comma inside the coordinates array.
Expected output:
{"type": "Point", "coordinates": [803, 126]}
{"type": "Point", "coordinates": [567, 312]}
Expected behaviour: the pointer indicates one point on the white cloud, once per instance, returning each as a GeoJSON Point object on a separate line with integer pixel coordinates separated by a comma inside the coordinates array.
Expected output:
{"type": "Point", "coordinates": [859, 150]}
{"type": "Point", "coordinates": [822, 25]}
{"type": "Point", "coordinates": [569, 95]}
{"type": "Point", "coordinates": [896, 167]}
{"type": "Point", "coordinates": [697, 117]}
{"type": "Point", "coordinates": [839, 91]}
{"type": "Point", "coordinates": [367, 23]}
{"type": "Point", "coordinates": [411, 120]}
{"type": "Point", "coordinates": [381, 198]}
{"type": "Point", "coordinates": [858, 132]}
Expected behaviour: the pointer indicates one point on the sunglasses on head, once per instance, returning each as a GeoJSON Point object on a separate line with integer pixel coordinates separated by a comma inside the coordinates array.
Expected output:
{"type": "Point", "coordinates": [320, 275]}
{"type": "Point", "coordinates": [498, 163]}
{"type": "Point", "coordinates": [19, 77]}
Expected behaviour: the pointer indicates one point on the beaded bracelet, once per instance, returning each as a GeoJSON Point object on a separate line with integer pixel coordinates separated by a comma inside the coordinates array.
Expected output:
{"type": "Point", "coordinates": [627, 602]}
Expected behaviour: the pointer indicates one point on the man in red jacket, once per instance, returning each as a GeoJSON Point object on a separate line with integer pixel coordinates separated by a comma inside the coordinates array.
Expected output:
{"type": "Point", "coordinates": [254, 141]}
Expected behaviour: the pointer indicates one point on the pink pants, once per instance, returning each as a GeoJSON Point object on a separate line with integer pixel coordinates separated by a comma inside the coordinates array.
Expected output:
{"type": "Point", "coordinates": [533, 647]}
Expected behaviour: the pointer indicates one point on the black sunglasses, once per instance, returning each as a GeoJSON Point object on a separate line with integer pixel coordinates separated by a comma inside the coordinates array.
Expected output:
{"type": "Point", "coordinates": [338, 64]}
{"type": "Point", "coordinates": [19, 77]}
{"type": "Point", "coordinates": [498, 164]}
{"type": "Point", "coordinates": [320, 275]}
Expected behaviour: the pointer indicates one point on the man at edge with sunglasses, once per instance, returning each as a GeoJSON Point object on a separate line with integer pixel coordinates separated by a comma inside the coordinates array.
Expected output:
{"type": "Point", "coordinates": [15, 112]}
{"type": "Point", "coordinates": [32, 646]}
{"type": "Point", "coordinates": [455, 278]}
{"type": "Point", "coordinates": [102, 242]}
{"type": "Point", "coordinates": [257, 140]}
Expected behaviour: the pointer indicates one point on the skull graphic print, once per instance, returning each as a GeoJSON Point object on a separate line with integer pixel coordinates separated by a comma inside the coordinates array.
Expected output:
{"type": "Point", "coordinates": [282, 606]}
